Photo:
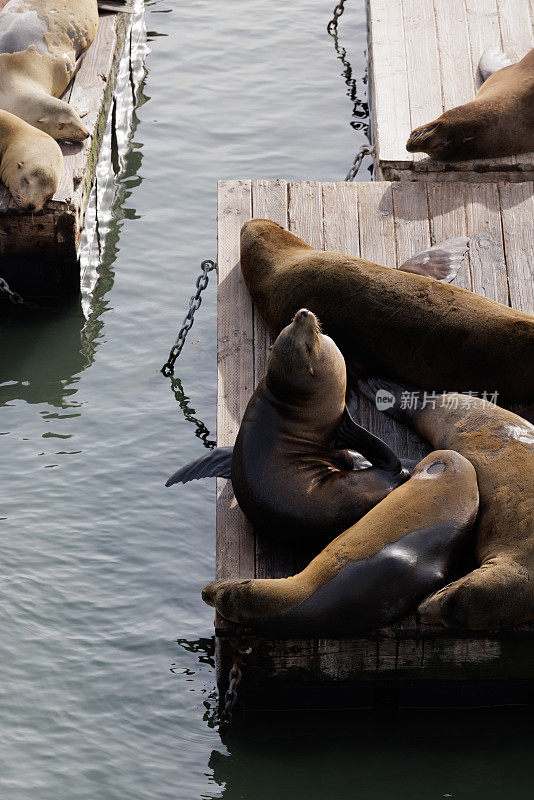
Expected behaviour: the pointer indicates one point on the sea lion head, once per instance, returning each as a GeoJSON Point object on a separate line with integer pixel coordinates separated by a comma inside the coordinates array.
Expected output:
{"type": "Point", "coordinates": [32, 171]}
{"type": "Point", "coordinates": [60, 121]}
{"type": "Point", "coordinates": [304, 362]}
{"type": "Point", "coordinates": [455, 136]}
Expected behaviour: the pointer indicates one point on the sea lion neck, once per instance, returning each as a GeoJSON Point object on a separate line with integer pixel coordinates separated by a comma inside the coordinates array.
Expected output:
{"type": "Point", "coordinates": [307, 418]}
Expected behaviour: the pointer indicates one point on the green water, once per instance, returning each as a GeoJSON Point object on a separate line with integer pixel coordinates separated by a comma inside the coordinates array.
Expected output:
{"type": "Point", "coordinates": [107, 689]}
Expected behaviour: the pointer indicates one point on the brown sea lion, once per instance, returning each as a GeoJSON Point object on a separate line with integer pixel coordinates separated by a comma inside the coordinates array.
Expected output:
{"type": "Point", "coordinates": [388, 321]}
{"type": "Point", "coordinates": [31, 162]}
{"type": "Point", "coordinates": [500, 445]}
{"type": "Point", "coordinates": [376, 571]}
{"type": "Point", "coordinates": [498, 122]}
{"type": "Point", "coordinates": [40, 41]}
{"type": "Point", "coordinates": [290, 475]}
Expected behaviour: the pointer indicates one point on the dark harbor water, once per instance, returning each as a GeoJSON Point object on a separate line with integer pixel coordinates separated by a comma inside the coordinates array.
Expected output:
{"type": "Point", "coordinates": [108, 685]}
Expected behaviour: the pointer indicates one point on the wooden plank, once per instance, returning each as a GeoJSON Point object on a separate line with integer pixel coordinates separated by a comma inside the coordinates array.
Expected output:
{"type": "Point", "coordinates": [516, 23]}
{"type": "Point", "coordinates": [424, 75]}
{"type": "Point", "coordinates": [269, 201]}
{"type": "Point", "coordinates": [390, 103]}
{"type": "Point", "coordinates": [305, 212]}
{"type": "Point", "coordinates": [458, 84]}
{"type": "Point", "coordinates": [87, 98]}
{"type": "Point", "coordinates": [447, 213]}
{"type": "Point", "coordinates": [235, 373]}
{"type": "Point", "coordinates": [486, 247]}
{"type": "Point", "coordinates": [340, 213]}
{"type": "Point", "coordinates": [517, 209]}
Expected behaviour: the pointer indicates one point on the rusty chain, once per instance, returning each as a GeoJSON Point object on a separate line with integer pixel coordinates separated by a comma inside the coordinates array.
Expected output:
{"type": "Point", "coordinates": [234, 679]}
{"type": "Point", "coordinates": [194, 304]}
{"type": "Point", "coordinates": [338, 11]}
{"type": "Point", "coordinates": [365, 150]}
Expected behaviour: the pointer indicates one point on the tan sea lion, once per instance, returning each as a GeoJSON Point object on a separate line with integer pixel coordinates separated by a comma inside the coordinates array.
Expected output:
{"type": "Point", "coordinates": [290, 475]}
{"type": "Point", "coordinates": [500, 445]}
{"type": "Point", "coordinates": [498, 122]}
{"type": "Point", "coordinates": [388, 321]}
{"type": "Point", "coordinates": [40, 41]}
{"type": "Point", "coordinates": [31, 162]}
{"type": "Point", "coordinates": [376, 571]}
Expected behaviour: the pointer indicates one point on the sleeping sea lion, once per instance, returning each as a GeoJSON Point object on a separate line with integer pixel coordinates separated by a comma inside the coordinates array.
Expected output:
{"type": "Point", "coordinates": [290, 475]}
{"type": "Point", "coordinates": [498, 122]}
{"type": "Point", "coordinates": [31, 162]}
{"type": "Point", "coordinates": [500, 445]}
{"type": "Point", "coordinates": [388, 321]}
{"type": "Point", "coordinates": [376, 571]}
{"type": "Point", "coordinates": [40, 41]}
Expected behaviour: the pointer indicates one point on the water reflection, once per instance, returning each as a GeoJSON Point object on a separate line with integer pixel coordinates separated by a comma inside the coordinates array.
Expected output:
{"type": "Point", "coordinates": [408, 755]}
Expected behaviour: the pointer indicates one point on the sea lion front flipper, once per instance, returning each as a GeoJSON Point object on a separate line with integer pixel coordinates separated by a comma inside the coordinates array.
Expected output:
{"type": "Point", "coordinates": [492, 60]}
{"type": "Point", "coordinates": [215, 464]}
{"type": "Point", "coordinates": [352, 436]}
{"type": "Point", "coordinates": [441, 261]}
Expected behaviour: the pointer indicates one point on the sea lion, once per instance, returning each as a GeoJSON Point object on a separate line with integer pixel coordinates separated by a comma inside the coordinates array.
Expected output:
{"type": "Point", "coordinates": [376, 571]}
{"type": "Point", "coordinates": [40, 41]}
{"type": "Point", "coordinates": [388, 321]}
{"type": "Point", "coordinates": [500, 445]}
{"type": "Point", "coordinates": [498, 122]}
{"type": "Point", "coordinates": [31, 162]}
{"type": "Point", "coordinates": [290, 475]}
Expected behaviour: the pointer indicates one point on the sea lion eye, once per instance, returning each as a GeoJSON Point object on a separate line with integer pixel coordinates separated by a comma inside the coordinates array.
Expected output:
{"type": "Point", "coordinates": [25, 181]}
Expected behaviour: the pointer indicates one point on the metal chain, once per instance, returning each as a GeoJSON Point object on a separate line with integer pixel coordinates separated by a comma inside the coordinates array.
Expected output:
{"type": "Point", "coordinates": [234, 679]}
{"type": "Point", "coordinates": [365, 150]}
{"type": "Point", "coordinates": [338, 11]}
{"type": "Point", "coordinates": [194, 304]}
{"type": "Point", "coordinates": [14, 297]}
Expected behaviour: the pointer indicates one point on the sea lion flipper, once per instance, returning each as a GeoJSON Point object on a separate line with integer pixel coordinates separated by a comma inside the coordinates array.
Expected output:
{"type": "Point", "coordinates": [492, 60]}
{"type": "Point", "coordinates": [215, 464]}
{"type": "Point", "coordinates": [441, 261]}
{"type": "Point", "coordinates": [392, 398]}
{"type": "Point", "coordinates": [352, 436]}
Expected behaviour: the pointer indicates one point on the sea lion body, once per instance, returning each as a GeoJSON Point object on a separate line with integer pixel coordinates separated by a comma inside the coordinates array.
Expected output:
{"type": "Point", "coordinates": [31, 162]}
{"type": "Point", "coordinates": [40, 41]}
{"type": "Point", "coordinates": [376, 571]}
{"type": "Point", "coordinates": [498, 122]}
{"type": "Point", "coordinates": [288, 476]}
{"type": "Point", "coordinates": [389, 322]}
{"type": "Point", "coordinates": [500, 445]}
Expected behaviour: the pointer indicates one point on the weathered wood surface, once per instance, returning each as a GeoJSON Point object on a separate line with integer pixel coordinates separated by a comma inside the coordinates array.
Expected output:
{"type": "Point", "coordinates": [388, 223]}
{"type": "Point", "coordinates": [39, 252]}
{"type": "Point", "coordinates": [423, 59]}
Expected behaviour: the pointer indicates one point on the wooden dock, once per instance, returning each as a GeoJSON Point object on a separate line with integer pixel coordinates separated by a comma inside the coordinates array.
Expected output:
{"type": "Point", "coordinates": [385, 222]}
{"type": "Point", "coordinates": [39, 253]}
{"type": "Point", "coordinates": [423, 59]}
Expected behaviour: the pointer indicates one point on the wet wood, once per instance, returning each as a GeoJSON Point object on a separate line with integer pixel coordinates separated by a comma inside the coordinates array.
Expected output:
{"type": "Point", "coordinates": [442, 42]}
{"type": "Point", "coordinates": [388, 223]}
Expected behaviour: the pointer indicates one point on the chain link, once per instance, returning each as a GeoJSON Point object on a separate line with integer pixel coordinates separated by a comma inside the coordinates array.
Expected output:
{"type": "Point", "coordinates": [234, 679]}
{"type": "Point", "coordinates": [365, 150]}
{"type": "Point", "coordinates": [338, 11]}
{"type": "Point", "coordinates": [14, 297]}
{"type": "Point", "coordinates": [194, 304]}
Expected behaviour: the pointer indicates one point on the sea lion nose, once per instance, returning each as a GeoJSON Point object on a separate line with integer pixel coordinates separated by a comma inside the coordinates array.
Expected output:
{"type": "Point", "coordinates": [303, 312]}
{"type": "Point", "coordinates": [31, 207]}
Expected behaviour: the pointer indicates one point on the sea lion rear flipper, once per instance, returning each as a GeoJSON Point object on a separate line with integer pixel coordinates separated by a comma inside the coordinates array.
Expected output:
{"type": "Point", "coordinates": [216, 464]}
{"type": "Point", "coordinates": [352, 436]}
{"type": "Point", "coordinates": [492, 60]}
{"type": "Point", "coordinates": [441, 261]}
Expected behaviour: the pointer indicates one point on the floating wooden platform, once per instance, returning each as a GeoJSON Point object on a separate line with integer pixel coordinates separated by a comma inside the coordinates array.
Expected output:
{"type": "Point", "coordinates": [39, 253]}
{"type": "Point", "coordinates": [387, 223]}
{"type": "Point", "coordinates": [423, 59]}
